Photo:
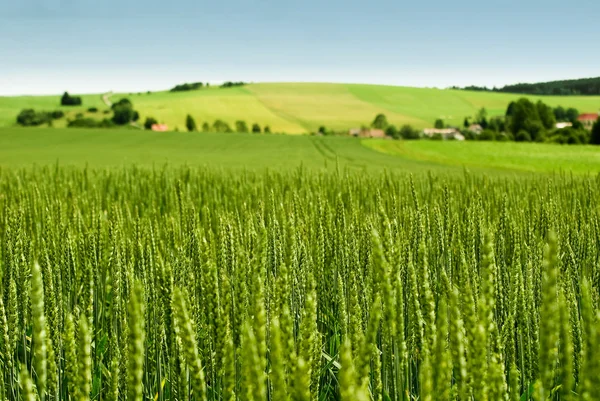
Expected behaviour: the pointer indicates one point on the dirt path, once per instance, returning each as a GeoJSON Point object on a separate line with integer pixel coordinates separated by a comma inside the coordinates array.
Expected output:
{"type": "Point", "coordinates": [106, 99]}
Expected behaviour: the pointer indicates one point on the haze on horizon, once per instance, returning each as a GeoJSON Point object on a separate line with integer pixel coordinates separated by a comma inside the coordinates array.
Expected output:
{"type": "Point", "coordinates": [83, 46]}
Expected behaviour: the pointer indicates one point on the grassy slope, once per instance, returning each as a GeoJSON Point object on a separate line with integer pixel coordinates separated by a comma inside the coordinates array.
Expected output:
{"type": "Point", "coordinates": [530, 157]}
{"type": "Point", "coordinates": [302, 107]}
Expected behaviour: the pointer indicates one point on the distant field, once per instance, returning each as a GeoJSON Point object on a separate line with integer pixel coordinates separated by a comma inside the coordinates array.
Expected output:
{"type": "Point", "coordinates": [507, 156]}
{"type": "Point", "coordinates": [21, 147]}
{"type": "Point", "coordinates": [302, 107]}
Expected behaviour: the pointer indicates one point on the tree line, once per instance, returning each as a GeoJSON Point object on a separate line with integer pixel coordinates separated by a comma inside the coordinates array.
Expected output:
{"type": "Point", "coordinates": [584, 86]}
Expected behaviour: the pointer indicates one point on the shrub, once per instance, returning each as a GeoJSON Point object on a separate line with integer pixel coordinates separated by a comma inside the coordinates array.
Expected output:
{"type": "Point", "coordinates": [190, 123]}
{"type": "Point", "coordinates": [380, 122]}
{"type": "Point", "coordinates": [267, 129]}
{"type": "Point", "coordinates": [240, 126]}
{"type": "Point", "coordinates": [90, 123]}
{"type": "Point", "coordinates": [68, 100]}
{"type": "Point", "coordinates": [408, 132]}
{"type": "Point", "coordinates": [186, 87]}
{"type": "Point", "coordinates": [392, 132]}
{"type": "Point", "coordinates": [523, 136]}
{"type": "Point", "coordinates": [229, 84]}
{"type": "Point", "coordinates": [595, 136]}
{"type": "Point", "coordinates": [122, 115]}
{"type": "Point", "coordinates": [221, 126]}
{"type": "Point", "coordinates": [439, 123]}
{"type": "Point", "coordinates": [205, 127]}
{"type": "Point", "coordinates": [93, 109]}
{"type": "Point", "coordinates": [150, 121]}
{"type": "Point", "coordinates": [31, 118]}
{"type": "Point", "coordinates": [256, 128]}
{"type": "Point", "coordinates": [57, 114]}
{"type": "Point", "coordinates": [487, 135]}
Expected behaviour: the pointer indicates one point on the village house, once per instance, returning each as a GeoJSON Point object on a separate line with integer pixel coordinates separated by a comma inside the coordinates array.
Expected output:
{"type": "Point", "coordinates": [563, 125]}
{"type": "Point", "coordinates": [445, 133]}
{"type": "Point", "coordinates": [588, 119]}
{"type": "Point", "coordinates": [160, 127]}
{"type": "Point", "coordinates": [367, 133]}
{"type": "Point", "coordinates": [476, 128]}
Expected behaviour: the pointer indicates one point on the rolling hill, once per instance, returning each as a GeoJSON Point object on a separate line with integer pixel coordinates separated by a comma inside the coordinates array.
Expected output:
{"type": "Point", "coordinates": [301, 107]}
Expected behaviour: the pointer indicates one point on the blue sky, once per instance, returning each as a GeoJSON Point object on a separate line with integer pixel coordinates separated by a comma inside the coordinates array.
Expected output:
{"type": "Point", "coordinates": [88, 46]}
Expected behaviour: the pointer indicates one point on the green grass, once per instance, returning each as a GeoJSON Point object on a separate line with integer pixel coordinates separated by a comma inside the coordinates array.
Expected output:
{"type": "Point", "coordinates": [527, 157]}
{"type": "Point", "coordinates": [302, 107]}
{"type": "Point", "coordinates": [108, 148]}
{"type": "Point", "coordinates": [22, 147]}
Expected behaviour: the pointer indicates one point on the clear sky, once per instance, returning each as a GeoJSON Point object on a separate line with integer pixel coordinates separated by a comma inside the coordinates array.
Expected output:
{"type": "Point", "coordinates": [88, 46]}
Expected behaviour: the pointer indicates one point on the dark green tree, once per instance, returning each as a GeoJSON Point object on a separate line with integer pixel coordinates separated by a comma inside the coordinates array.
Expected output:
{"type": "Point", "coordinates": [595, 137]}
{"type": "Point", "coordinates": [560, 113]}
{"type": "Point", "coordinates": [571, 114]}
{"type": "Point", "coordinates": [466, 123]}
{"type": "Point", "coordinates": [408, 132]}
{"type": "Point", "coordinates": [546, 115]}
{"type": "Point", "coordinates": [256, 128]}
{"type": "Point", "coordinates": [68, 100]}
{"type": "Point", "coordinates": [267, 129]}
{"type": "Point", "coordinates": [190, 123]}
{"type": "Point", "coordinates": [439, 123]}
{"type": "Point", "coordinates": [205, 127]}
{"type": "Point", "coordinates": [122, 114]}
{"type": "Point", "coordinates": [241, 126]}
{"type": "Point", "coordinates": [150, 121]}
{"type": "Point", "coordinates": [392, 132]}
{"type": "Point", "coordinates": [380, 122]}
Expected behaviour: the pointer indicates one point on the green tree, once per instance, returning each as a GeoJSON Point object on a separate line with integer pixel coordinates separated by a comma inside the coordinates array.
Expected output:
{"type": "Point", "coordinates": [408, 132]}
{"type": "Point", "coordinates": [190, 123]}
{"type": "Point", "coordinates": [392, 132]}
{"type": "Point", "coordinates": [68, 100]}
{"type": "Point", "coordinates": [150, 121]}
{"type": "Point", "coordinates": [256, 128]}
{"type": "Point", "coordinates": [482, 115]}
{"type": "Point", "coordinates": [221, 126]}
{"type": "Point", "coordinates": [546, 115]}
{"type": "Point", "coordinates": [205, 127]}
{"type": "Point", "coordinates": [439, 123]}
{"type": "Point", "coordinates": [595, 138]}
{"type": "Point", "coordinates": [571, 114]}
{"type": "Point", "coordinates": [267, 129]}
{"type": "Point", "coordinates": [241, 126]}
{"type": "Point", "coordinates": [466, 123]}
{"type": "Point", "coordinates": [380, 122]}
{"type": "Point", "coordinates": [560, 113]}
{"type": "Point", "coordinates": [122, 114]}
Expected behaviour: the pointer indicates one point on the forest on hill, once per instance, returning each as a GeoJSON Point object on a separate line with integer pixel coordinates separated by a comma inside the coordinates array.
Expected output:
{"type": "Point", "coordinates": [583, 86]}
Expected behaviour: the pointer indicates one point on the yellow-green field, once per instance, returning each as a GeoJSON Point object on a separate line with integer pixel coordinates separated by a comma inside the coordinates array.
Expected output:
{"type": "Point", "coordinates": [301, 107]}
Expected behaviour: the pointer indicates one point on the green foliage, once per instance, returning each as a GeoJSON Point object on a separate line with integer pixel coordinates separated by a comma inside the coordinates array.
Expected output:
{"type": "Point", "coordinates": [392, 132]}
{"type": "Point", "coordinates": [570, 136]}
{"type": "Point", "coordinates": [595, 137]}
{"type": "Point", "coordinates": [87, 122]}
{"type": "Point", "coordinates": [205, 127]}
{"type": "Point", "coordinates": [186, 87]}
{"type": "Point", "coordinates": [241, 126]}
{"type": "Point", "coordinates": [221, 126]}
{"type": "Point", "coordinates": [32, 118]}
{"type": "Point", "coordinates": [267, 129]}
{"type": "Point", "coordinates": [229, 84]}
{"type": "Point", "coordinates": [439, 123]}
{"type": "Point", "coordinates": [123, 112]}
{"type": "Point", "coordinates": [68, 100]}
{"type": "Point", "coordinates": [92, 109]}
{"type": "Point", "coordinates": [190, 123]}
{"type": "Point", "coordinates": [408, 132]}
{"type": "Point", "coordinates": [150, 121]}
{"type": "Point", "coordinates": [380, 122]}
{"type": "Point", "coordinates": [255, 128]}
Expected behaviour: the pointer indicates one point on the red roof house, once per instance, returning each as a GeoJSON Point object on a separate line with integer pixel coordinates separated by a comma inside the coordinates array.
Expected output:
{"type": "Point", "coordinates": [588, 119]}
{"type": "Point", "coordinates": [160, 127]}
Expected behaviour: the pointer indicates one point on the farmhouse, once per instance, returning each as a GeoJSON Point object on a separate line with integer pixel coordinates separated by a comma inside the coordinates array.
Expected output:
{"type": "Point", "coordinates": [367, 132]}
{"type": "Point", "coordinates": [446, 133]}
{"type": "Point", "coordinates": [588, 119]}
{"type": "Point", "coordinates": [476, 128]}
{"type": "Point", "coordinates": [563, 125]}
{"type": "Point", "coordinates": [160, 127]}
